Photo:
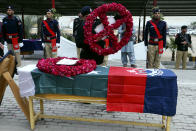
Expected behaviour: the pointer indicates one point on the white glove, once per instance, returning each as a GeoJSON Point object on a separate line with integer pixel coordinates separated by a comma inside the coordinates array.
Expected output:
{"type": "Point", "coordinates": [43, 45]}
{"type": "Point", "coordinates": [58, 45]}
{"type": "Point", "coordinates": [164, 49]}
{"type": "Point", "coordinates": [5, 43]}
{"type": "Point", "coordinates": [21, 44]}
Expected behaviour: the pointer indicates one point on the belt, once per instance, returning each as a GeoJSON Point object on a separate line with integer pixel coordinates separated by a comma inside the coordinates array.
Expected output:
{"type": "Point", "coordinates": [154, 44]}
{"type": "Point", "coordinates": [155, 40]}
{"type": "Point", "coordinates": [50, 37]}
{"type": "Point", "coordinates": [10, 36]}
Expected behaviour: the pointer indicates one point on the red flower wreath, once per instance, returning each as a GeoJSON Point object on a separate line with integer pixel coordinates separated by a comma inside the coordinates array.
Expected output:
{"type": "Point", "coordinates": [100, 12]}
{"type": "Point", "coordinates": [82, 66]}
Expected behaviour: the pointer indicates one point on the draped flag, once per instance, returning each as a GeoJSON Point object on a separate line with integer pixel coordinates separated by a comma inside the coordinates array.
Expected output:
{"type": "Point", "coordinates": [126, 89]}
{"type": "Point", "coordinates": [143, 91]}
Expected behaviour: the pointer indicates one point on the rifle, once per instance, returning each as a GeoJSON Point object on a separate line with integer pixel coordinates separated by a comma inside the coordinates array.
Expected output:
{"type": "Point", "coordinates": [189, 45]}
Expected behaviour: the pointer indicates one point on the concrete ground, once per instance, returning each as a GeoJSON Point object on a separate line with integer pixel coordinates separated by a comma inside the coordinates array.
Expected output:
{"type": "Point", "coordinates": [13, 119]}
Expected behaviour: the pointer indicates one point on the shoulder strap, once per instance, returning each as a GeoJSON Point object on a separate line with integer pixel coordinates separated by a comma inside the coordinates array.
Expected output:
{"type": "Point", "coordinates": [49, 29]}
{"type": "Point", "coordinates": [156, 29]}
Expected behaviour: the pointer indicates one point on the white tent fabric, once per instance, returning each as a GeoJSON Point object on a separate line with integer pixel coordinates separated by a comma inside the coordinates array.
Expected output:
{"type": "Point", "coordinates": [140, 51]}
{"type": "Point", "coordinates": [68, 49]}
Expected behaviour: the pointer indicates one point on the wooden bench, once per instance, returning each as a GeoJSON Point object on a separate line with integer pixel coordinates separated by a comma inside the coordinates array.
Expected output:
{"type": "Point", "coordinates": [83, 99]}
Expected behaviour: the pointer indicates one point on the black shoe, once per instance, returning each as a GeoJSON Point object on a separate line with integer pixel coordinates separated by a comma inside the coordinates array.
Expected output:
{"type": "Point", "coordinates": [124, 65]}
{"type": "Point", "coordinates": [85, 103]}
{"type": "Point", "coordinates": [133, 65]}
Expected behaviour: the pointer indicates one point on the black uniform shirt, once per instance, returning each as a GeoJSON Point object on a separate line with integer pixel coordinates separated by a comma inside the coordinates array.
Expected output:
{"type": "Point", "coordinates": [180, 37]}
{"type": "Point", "coordinates": [12, 25]}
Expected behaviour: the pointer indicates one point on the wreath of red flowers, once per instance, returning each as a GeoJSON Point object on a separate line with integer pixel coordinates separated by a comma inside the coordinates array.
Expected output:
{"type": "Point", "coordinates": [100, 12]}
{"type": "Point", "coordinates": [82, 66]}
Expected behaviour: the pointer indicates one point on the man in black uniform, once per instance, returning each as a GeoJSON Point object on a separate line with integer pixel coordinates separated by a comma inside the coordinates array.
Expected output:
{"type": "Point", "coordinates": [12, 33]}
{"type": "Point", "coordinates": [50, 34]}
{"type": "Point", "coordinates": [76, 24]}
{"type": "Point", "coordinates": [86, 52]}
{"type": "Point", "coordinates": [183, 41]}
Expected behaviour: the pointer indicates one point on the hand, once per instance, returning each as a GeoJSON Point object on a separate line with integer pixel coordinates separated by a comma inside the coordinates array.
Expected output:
{"type": "Point", "coordinates": [164, 49]}
{"type": "Point", "coordinates": [21, 44]}
{"type": "Point", "coordinates": [1, 46]}
{"type": "Point", "coordinates": [43, 45]}
{"type": "Point", "coordinates": [98, 39]}
{"type": "Point", "coordinates": [58, 45]}
{"type": "Point", "coordinates": [5, 43]}
{"type": "Point", "coordinates": [184, 43]}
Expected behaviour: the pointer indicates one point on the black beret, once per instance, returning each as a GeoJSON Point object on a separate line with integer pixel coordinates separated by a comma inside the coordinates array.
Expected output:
{"type": "Point", "coordinates": [86, 10]}
{"type": "Point", "coordinates": [49, 10]}
{"type": "Point", "coordinates": [10, 7]}
{"type": "Point", "coordinates": [155, 10]}
{"type": "Point", "coordinates": [184, 27]}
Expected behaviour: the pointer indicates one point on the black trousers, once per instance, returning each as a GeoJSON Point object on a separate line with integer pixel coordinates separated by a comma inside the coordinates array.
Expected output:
{"type": "Point", "coordinates": [1, 52]}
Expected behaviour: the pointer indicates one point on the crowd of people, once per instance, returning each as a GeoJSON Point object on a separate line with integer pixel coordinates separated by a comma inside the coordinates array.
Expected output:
{"type": "Point", "coordinates": [11, 32]}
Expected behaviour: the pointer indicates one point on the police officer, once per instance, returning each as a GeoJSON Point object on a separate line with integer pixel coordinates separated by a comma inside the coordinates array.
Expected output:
{"type": "Point", "coordinates": [50, 35]}
{"type": "Point", "coordinates": [156, 28]}
{"type": "Point", "coordinates": [183, 41]}
{"type": "Point", "coordinates": [86, 52]}
{"type": "Point", "coordinates": [76, 25]}
{"type": "Point", "coordinates": [13, 33]}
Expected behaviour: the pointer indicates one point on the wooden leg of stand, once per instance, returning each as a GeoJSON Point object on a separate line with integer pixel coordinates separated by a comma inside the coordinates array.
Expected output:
{"type": "Point", "coordinates": [163, 121]}
{"type": "Point", "coordinates": [32, 120]}
{"type": "Point", "coordinates": [168, 123]}
{"type": "Point", "coordinates": [41, 108]}
{"type": "Point", "coordinates": [2, 91]}
{"type": "Point", "coordinates": [15, 91]}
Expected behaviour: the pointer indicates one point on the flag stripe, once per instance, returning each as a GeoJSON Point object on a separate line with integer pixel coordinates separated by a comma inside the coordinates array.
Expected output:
{"type": "Point", "coordinates": [126, 89]}
{"type": "Point", "coordinates": [161, 93]}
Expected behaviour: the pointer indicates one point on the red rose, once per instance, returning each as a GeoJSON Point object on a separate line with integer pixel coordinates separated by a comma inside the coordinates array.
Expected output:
{"type": "Point", "coordinates": [82, 66]}
{"type": "Point", "coordinates": [100, 12]}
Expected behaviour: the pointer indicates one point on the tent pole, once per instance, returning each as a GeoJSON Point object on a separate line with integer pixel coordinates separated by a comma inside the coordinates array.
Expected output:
{"type": "Point", "coordinates": [144, 22]}
{"type": "Point", "coordinates": [23, 24]}
{"type": "Point", "coordinates": [154, 3]}
{"type": "Point", "coordinates": [53, 3]}
{"type": "Point", "coordinates": [139, 30]}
